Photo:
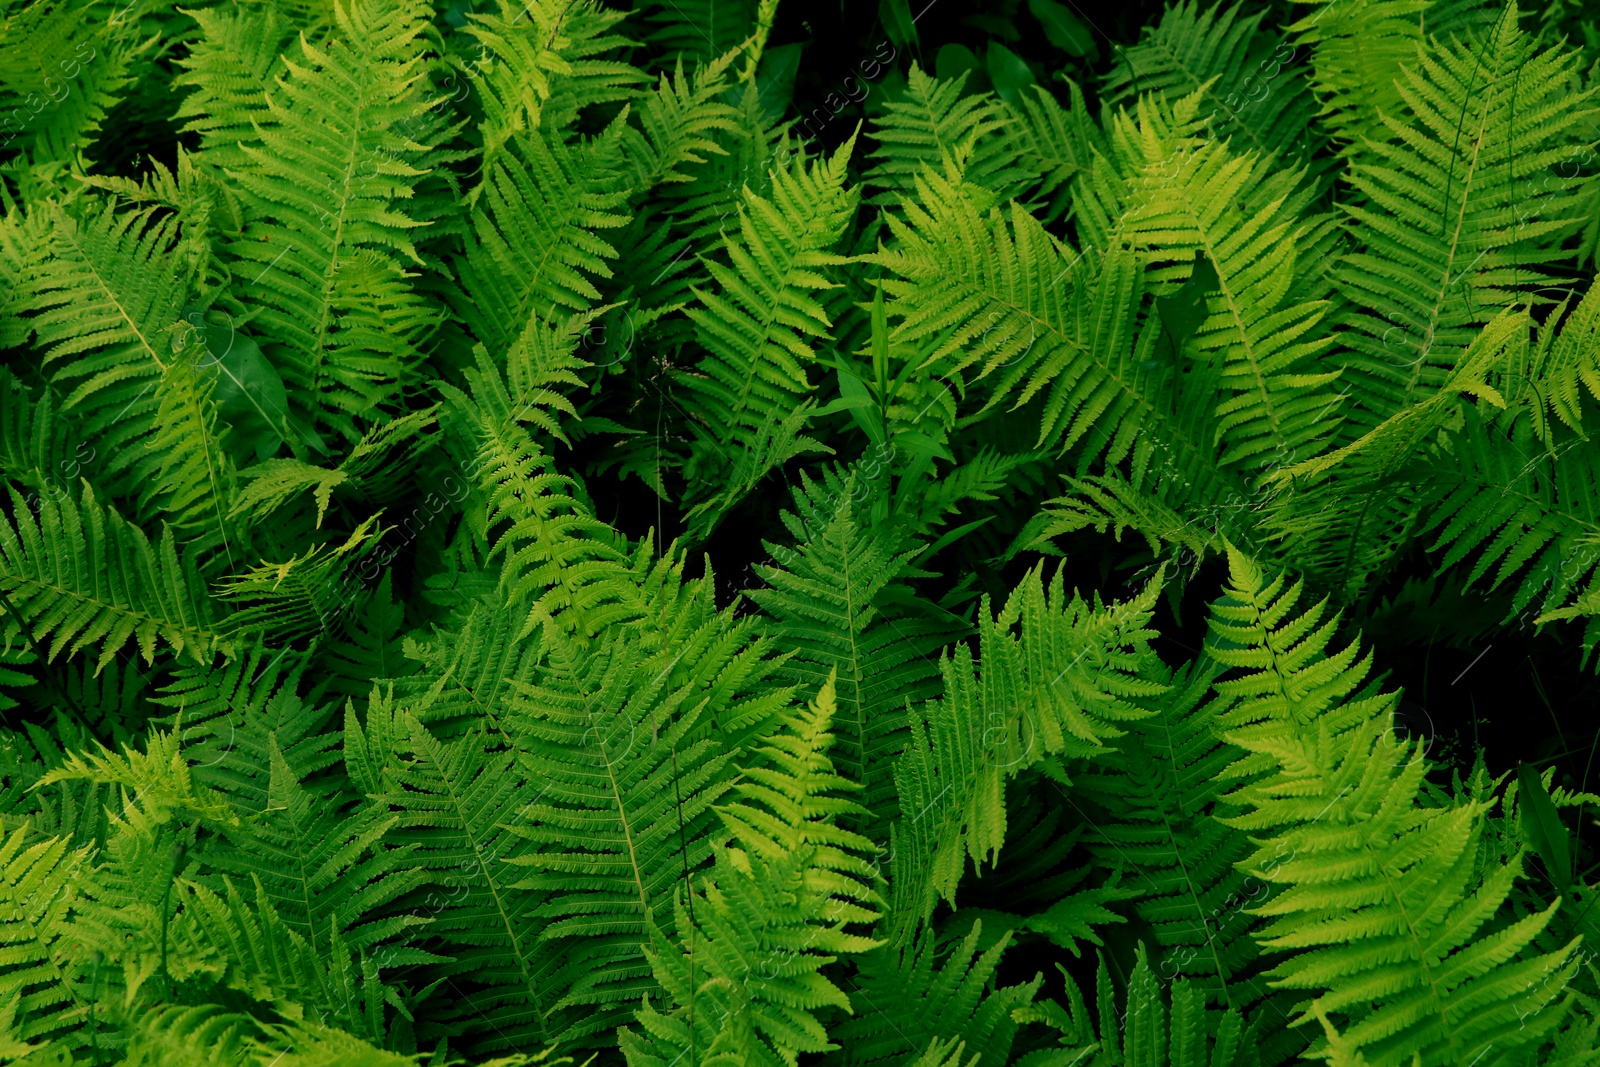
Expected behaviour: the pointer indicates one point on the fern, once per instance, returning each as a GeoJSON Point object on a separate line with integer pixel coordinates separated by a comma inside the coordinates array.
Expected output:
{"type": "Point", "coordinates": [962, 296]}
{"type": "Point", "coordinates": [1404, 944]}
{"type": "Point", "coordinates": [1436, 258]}
{"type": "Point", "coordinates": [455, 800]}
{"type": "Point", "coordinates": [783, 894]}
{"type": "Point", "coordinates": [1222, 52]}
{"type": "Point", "coordinates": [904, 1001]}
{"type": "Point", "coordinates": [357, 706]}
{"type": "Point", "coordinates": [80, 575]}
{"type": "Point", "coordinates": [1059, 689]}
{"type": "Point", "coordinates": [39, 886]}
{"type": "Point", "coordinates": [324, 177]}
{"type": "Point", "coordinates": [1358, 51]}
{"type": "Point", "coordinates": [534, 245]}
{"type": "Point", "coordinates": [107, 304]}
{"type": "Point", "coordinates": [1163, 825]}
{"type": "Point", "coordinates": [840, 604]}
{"type": "Point", "coordinates": [756, 329]}
{"type": "Point", "coordinates": [935, 120]}
{"type": "Point", "coordinates": [631, 737]}
{"type": "Point", "coordinates": [1138, 1033]}
{"type": "Point", "coordinates": [231, 68]}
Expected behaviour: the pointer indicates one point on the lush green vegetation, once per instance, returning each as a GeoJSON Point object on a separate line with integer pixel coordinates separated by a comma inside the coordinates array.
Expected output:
{"type": "Point", "coordinates": [685, 536]}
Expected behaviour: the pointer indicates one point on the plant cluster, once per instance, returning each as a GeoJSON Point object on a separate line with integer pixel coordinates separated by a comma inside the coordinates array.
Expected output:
{"type": "Point", "coordinates": [390, 388]}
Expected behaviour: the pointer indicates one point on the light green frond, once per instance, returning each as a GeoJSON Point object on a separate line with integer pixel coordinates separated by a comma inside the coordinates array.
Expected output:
{"type": "Point", "coordinates": [681, 123]}
{"type": "Point", "coordinates": [746, 966]}
{"type": "Point", "coordinates": [1485, 122]}
{"type": "Point", "coordinates": [535, 246]}
{"type": "Point", "coordinates": [1060, 687]}
{"type": "Point", "coordinates": [240, 55]}
{"type": "Point", "coordinates": [1358, 49]}
{"type": "Point", "coordinates": [325, 250]}
{"type": "Point", "coordinates": [1273, 391]}
{"type": "Point", "coordinates": [107, 307]}
{"type": "Point", "coordinates": [81, 575]}
{"type": "Point", "coordinates": [1559, 367]}
{"type": "Point", "coordinates": [277, 481]}
{"type": "Point", "coordinates": [976, 289]}
{"type": "Point", "coordinates": [746, 396]}
{"type": "Point", "coordinates": [38, 883]}
{"type": "Point", "coordinates": [194, 484]}
{"type": "Point", "coordinates": [840, 603]}
{"type": "Point", "coordinates": [933, 121]}
{"type": "Point", "coordinates": [557, 555]}
{"type": "Point", "coordinates": [1400, 944]}
{"type": "Point", "coordinates": [1055, 145]}
{"type": "Point", "coordinates": [543, 72]}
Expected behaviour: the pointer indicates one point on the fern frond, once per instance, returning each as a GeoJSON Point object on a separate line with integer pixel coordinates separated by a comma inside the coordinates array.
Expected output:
{"type": "Point", "coordinates": [1439, 253]}
{"type": "Point", "coordinates": [745, 969]}
{"type": "Point", "coordinates": [305, 593]}
{"type": "Point", "coordinates": [323, 861]}
{"type": "Point", "coordinates": [63, 71]}
{"type": "Point", "coordinates": [195, 477]}
{"type": "Point", "coordinates": [935, 120]}
{"type": "Point", "coordinates": [457, 802]}
{"type": "Point", "coordinates": [22, 252]}
{"type": "Point", "coordinates": [535, 243]}
{"type": "Point", "coordinates": [1401, 944]}
{"type": "Point", "coordinates": [1138, 1033]}
{"type": "Point", "coordinates": [1254, 85]}
{"type": "Point", "coordinates": [1358, 50]}
{"type": "Point", "coordinates": [1160, 792]}
{"type": "Point", "coordinates": [543, 62]}
{"type": "Point", "coordinates": [1273, 395]}
{"type": "Point", "coordinates": [81, 575]}
{"type": "Point", "coordinates": [975, 288]}
{"type": "Point", "coordinates": [556, 553]}
{"type": "Point", "coordinates": [1337, 512]}
{"type": "Point", "coordinates": [630, 735]}
{"type": "Point", "coordinates": [680, 121]}
{"type": "Point", "coordinates": [322, 252]}
{"type": "Point", "coordinates": [757, 329]}
{"type": "Point", "coordinates": [369, 647]}
{"type": "Point", "coordinates": [1562, 363]}
{"type": "Point", "coordinates": [699, 30]}
{"type": "Point", "coordinates": [903, 1000]}
{"type": "Point", "coordinates": [1055, 145]}
{"type": "Point", "coordinates": [841, 605]}
{"type": "Point", "coordinates": [240, 55]}
{"type": "Point", "coordinates": [38, 883]}
{"type": "Point", "coordinates": [1060, 687]}
{"type": "Point", "coordinates": [107, 304]}
{"type": "Point", "coordinates": [1520, 506]}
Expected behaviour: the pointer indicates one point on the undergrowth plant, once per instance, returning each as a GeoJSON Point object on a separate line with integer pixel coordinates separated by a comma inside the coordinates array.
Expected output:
{"type": "Point", "coordinates": [527, 538]}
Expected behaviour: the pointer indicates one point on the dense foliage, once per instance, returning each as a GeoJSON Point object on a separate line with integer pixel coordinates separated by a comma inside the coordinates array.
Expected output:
{"type": "Point", "coordinates": [549, 534]}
